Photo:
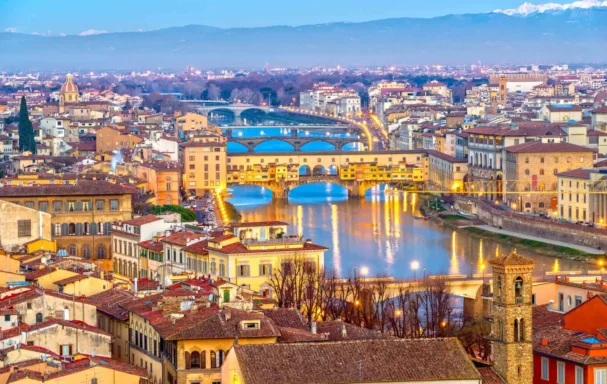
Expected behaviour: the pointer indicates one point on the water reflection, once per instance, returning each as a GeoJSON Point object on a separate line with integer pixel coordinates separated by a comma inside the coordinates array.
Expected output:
{"type": "Point", "coordinates": [375, 232]}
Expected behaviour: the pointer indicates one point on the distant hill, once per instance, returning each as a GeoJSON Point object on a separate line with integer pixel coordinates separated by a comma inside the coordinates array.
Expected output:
{"type": "Point", "coordinates": [576, 35]}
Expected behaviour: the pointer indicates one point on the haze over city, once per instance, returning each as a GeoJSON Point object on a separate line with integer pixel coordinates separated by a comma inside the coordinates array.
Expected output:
{"type": "Point", "coordinates": [237, 192]}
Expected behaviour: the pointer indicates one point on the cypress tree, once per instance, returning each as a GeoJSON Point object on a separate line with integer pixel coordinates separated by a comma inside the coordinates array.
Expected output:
{"type": "Point", "coordinates": [26, 130]}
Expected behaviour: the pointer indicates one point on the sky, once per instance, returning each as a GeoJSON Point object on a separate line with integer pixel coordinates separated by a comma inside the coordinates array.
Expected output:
{"type": "Point", "coordinates": [56, 17]}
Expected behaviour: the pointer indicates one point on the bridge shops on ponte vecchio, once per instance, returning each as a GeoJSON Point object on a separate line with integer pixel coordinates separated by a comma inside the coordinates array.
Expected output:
{"type": "Point", "coordinates": [357, 171]}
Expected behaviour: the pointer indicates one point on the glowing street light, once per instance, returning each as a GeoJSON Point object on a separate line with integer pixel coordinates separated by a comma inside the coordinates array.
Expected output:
{"type": "Point", "coordinates": [414, 267]}
{"type": "Point", "coordinates": [364, 271]}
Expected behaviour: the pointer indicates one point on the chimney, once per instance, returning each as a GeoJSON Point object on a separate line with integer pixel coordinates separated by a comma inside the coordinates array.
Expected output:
{"type": "Point", "coordinates": [544, 342]}
{"type": "Point", "coordinates": [313, 327]}
{"type": "Point", "coordinates": [566, 279]}
{"type": "Point", "coordinates": [344, 332]}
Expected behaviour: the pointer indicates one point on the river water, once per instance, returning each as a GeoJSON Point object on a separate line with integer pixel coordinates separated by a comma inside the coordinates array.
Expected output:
{"type": "Point", "coordinates": [378, 232]}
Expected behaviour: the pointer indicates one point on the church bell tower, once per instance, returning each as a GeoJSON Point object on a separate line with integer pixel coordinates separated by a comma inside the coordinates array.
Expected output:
{"type": "Point", "coordinates": [512, 315]}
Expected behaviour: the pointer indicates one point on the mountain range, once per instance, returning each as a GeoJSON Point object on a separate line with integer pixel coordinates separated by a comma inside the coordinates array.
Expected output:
{"type": "Point", "coordinates": [574, 35]}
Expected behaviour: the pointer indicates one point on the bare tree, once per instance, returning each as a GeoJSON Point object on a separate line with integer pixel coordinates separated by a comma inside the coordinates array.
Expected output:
{"type": "Point", "coordinates": [213, 92]}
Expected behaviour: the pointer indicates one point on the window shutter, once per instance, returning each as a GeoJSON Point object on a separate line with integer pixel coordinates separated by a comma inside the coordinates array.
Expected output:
{"type": "Point", "coordinates": [188, 360]}
{"type": "Point", "coordinates": [79, 206]}
{"type": "Point", "coordinates": [248, 270]}
{"type": "Point", "coordinates": [64, 229]}
{"type": "Point", "coordinates": [269, 269]}
{"type": "Point", "coordinates": [79, 229]}
{"type": "Point", "coordinates": [71, 352]}
{"type": "Point", "coordinates": [93, 228]}
{"type": "Point", "coordinates": [260, 269]}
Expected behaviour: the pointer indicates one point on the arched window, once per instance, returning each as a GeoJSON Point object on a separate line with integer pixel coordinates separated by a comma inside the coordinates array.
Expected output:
{"type": "Point", "coordinates": [516, 330]}
{"type": "Point", "coordinates": [526, 160]}
{"type": "Point", "coordinates": [521, 326]}
{"type": "Point", "coordinates": [213, 360]}
{"type": "Point", "coordinates": [541, 172]}
{"type": "Point", "coordinates": [527, 172]}
{"type": "Point", "coordinates": [72, 250]}
{"type": "Point", "coordinates": [38, 318]}
{"type": "Point", "coordinates": [501, 329]}
{"type": "Point", "coordinates": [87, 229]}
{"type": "Point", "coordinates": [100, 252]}
{"type": "Point", "coordinates": [527, 205]}
{"type": "Point", "coordinates": [86, 252]}
{"type": "Point", "coordinates": [195, 360]}
{"type": "Point", "coordinates": [71, 229]}
{"type": "Point", "coordinates": [100, 228]}
{"type": "Point", "coordinates": [540, 204]}
{"type": "Point", "coordinates": [518, 287]}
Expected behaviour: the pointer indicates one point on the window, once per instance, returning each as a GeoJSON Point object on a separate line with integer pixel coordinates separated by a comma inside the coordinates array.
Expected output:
{"type": "Point", "coordinates": [43, 206]}
{"type": "Point", "coordinates": [578, 301]}
{"type": "Point", "coordinates": [243, 270]}
{"type": "Point", "coordinates": [265, 269]}
{"type": "Point", "coordinates": [527, 172]}
{"type": "Point", "coordinates": [600, 376]}
{"type": "Point", "coordinates": [66, 349]}
{"type": "Point", "coordinates": [113, 205]}
{"type": "Point", "coordinates": [541, 172]}
{"type": "Point", "coordinates": [57, 206]}
{"type": "Point", "coordinates": [24, 228]}
{"type": "Point", "coordinates": [100, 205]}
{"type": "Point", "coordinates": [545, 362]}
{"type": "Point", "coordinates": [29, 204]}
{"type": "Point", "coordinates": [560, 372]}
{"type": "Point", "coordinates": [579, 375]}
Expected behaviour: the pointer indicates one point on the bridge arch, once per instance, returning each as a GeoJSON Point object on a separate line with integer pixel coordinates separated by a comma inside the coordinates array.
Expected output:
{"type": "Point", "coordinates": [221, 114]}
{"type": "Point", "coordinates": [253, 145]}
{"type": "Point", "coordinates": [305, 170]}
{"type": "Point", "coordinates": [332, 188]}
{"type": "Point", "coordinates": [318, 170]}
{"type": "Point", "coordinates": [306, 146]}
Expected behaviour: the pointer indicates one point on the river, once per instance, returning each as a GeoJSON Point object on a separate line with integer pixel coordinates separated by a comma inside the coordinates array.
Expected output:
{"type": "Point", "coordinates": [378, 232]}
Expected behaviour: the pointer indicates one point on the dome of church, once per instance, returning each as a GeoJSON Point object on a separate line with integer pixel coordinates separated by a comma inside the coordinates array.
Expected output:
{"type": "Point", "coordinates": [69, 86]}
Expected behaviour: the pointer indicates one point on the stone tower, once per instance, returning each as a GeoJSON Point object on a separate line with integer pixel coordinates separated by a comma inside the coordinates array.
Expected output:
{"type": "Point", "coordinates": [503, 90]}
{"type": "Point", "coordinates": [512, 315]}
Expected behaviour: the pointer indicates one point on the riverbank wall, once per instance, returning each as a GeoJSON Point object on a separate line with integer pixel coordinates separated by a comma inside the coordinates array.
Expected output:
{"type": "Point", "coordinates": [547, 229]}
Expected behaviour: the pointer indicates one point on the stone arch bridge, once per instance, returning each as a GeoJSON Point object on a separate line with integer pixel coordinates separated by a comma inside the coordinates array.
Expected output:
{"type": "Point", "coordinates": [236, 109]}
{"type": "Point", "coordinates": [294, 140]}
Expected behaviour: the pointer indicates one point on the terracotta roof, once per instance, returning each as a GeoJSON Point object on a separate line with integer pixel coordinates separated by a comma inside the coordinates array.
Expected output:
{"type": "Point", "coordinates": [594, 132]}
{"type": "Point", "coordinates": [85, 187]}
{"type": "Point", "coordinates": [71, 279]}
{"type": "Point", "coordinates": [512, 258]}
{"type": "Point", "coordinates": [539, 147]}
{"type": "Point", "coordinates": [34, 275]}
{"type": "Point", "coordinates": [446, 157]}
{"type": "Point", "coordinates": [389, 360]}
{"type": "Point", "coordinates": [163, 165]}
{"type": "Point", "coordinates": [109, 302]}
{"type": "Point", "coordinates": [199, 247]}
{"type": "Point", "coordinates": [66, 323]}
{"type": "Point", "coordinates": [141, 220]}
{"type": "Point", "coordinates": [286, 317]}
{"type": "Point", "coordinates": [489, 376]}
{"type": "Point", "coordinates": [181, 238]}
{"type": "Point", "coordinates": [576, 173]}
{"type": "Point", "coordinates": [152, 245]}
{"type": "Point", "coordinates": [297, 335]}
{"type": "Point", "coordinates": [212, 323]}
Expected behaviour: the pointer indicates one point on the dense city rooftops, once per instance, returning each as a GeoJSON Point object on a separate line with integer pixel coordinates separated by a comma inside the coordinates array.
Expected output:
{"type": "Point", "coordinates": [83, 188]}
{"type": "Point", "coordinates": [541, 147]}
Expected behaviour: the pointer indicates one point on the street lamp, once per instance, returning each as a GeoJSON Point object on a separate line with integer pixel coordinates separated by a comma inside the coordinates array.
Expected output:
{"type": "Point", "coordinates": [364, 271]}
{"type": "Point", "coordinates": [414, 267]}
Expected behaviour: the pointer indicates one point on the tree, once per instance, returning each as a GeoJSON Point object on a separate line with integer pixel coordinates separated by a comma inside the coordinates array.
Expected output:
{"type": "Point", "coordinates": [127, 106]}
{"type": "Point", "coordinates": [213, 92]}
{"type": "Point", "coordinates": [473, 336]}
{"type": "Point", "coordinates": [26, 130]}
